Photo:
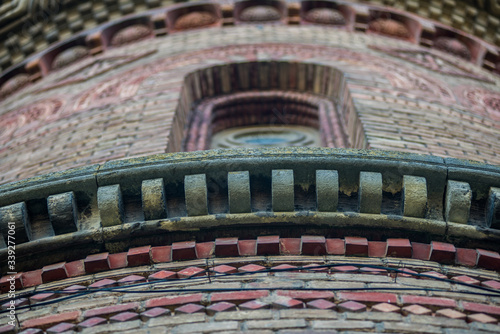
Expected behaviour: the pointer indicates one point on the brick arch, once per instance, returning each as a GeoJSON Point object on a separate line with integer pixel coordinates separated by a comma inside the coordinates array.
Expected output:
{"type": "Point", "coordinates": [323, 88]}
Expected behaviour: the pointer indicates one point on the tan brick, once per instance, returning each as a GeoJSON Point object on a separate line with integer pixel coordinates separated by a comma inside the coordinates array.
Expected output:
{"type": "Point", "coordinates": [275, 324]}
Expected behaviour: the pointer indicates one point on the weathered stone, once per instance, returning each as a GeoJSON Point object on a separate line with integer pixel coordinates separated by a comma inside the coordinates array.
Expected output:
{"type": "Point", "coordinates": [414, 196]}
{"type": "Point", "coordinates": [282, 190]}
{"type": "Point", "coordinates": [493, 208]}
{"type": "Point", "coordinates": [370, 192]}
{"type": "Point", "coordinates": [195, 188]}
{"type": "Point", "coordinates": [17, 214]}
{"type": "Point", "coordinates": [63, 212]}
{"type": "Point", "coordinates": [110, 203]}
{"type": "Point", "coordinates": [154, 203]}
{"type": "Point", "coordinates": [327, 190]}
{"type": "Point", "coordinates": [458, 202]}
{"type": "Point", "coordinates": [239, 192]}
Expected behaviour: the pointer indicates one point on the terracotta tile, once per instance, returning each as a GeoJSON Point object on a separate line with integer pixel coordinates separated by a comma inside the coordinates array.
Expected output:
{"type": "Point", "coordinates": [335, 246]}
{"type": "Point", "coordinates": [139, 256]}
{"type": "Point", "coordinates": [205, 250]}
{"type": "Point", "coordinates": [153, 313]}
{"type": "Point", "coordinates": [433, 274]}
{"type": "Point", "coordinates": [466, 279]}
{"type": "Point", "coordinates": [118, 260]}
{"type": "Point", "coordinates": [373, 271]}
{"type": "Point", "coordinates": [344, 269]}
{"type": "Point", "coordinates": [399, 248]}
{"type": "Point", "coordinates": [450, 313]}
{"type": "Point", "coordinates": [191, 272]}
{"type": "Point", "coordinates": [481, 317]}
{"type": "Point", "coordinates": [185, 250]}
{"type": "Point", "coordinates": [286, 303]}
{"type": "Point", "coordinates": [268, 245]}
{"type": "Point", "coordinates": [91, 322]}
{"type": "Point", "coordinates": [285, 268]}
{"type": "Point", "coordinates": [247, 247]}
{"type": "Point", "coordinates": [40, 297]}
{"type": "Point", "coordinates": [491, 284]}
{"type": "Point", "coordinates": [224, 269]}
{"type": "Point", "coordinates": [416, 309]}
{"type": "Point", "coordinates": [132, 279]}
{"type": "Point", "coordinates": [290, 246]}
{"type": "Point", "coordinates": [75, 288]}
{"type": "Point", "coordinates": [59, 328]}
{"type": "Point", "coordinates": [226, 247]}
{"type": "Point", "coordinates": [251, 268]}
{"type": "Point", "coordinates": [313, 245]}
{"type": "Point", "coordinates": [104, 283]}
{"type": "Point", "coordinates": [161, 254]}
{"type": "Point", "coordinates": [377, 248]}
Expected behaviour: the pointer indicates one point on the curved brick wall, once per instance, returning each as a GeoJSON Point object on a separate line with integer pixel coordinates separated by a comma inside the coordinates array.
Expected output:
{"type": "Point", "coordinates": [291, 240]}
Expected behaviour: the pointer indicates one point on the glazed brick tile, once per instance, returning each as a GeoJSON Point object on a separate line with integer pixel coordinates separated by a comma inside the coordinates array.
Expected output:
{"type": "Point", "coordinates": [351, 306]}
{"type": "Point", "coordinates": [191, 272]}
{"type": "Point", "coordinates": [253, 305]}
{"type": "Point", "coordinates": [430, 301]}
{"type": "Point", "coordinates": [356, 246]}
{"type": "Point", "coordinates": [335, 246]}
{"type": "Point", "coordinates": [466, 257]}
{"type": "Point", "coordinates": [385, 308]}
{"type": "Point", "coordinates": [421, 251]}
{"type": "Point", "coordinates": [154, 313]}
{"type": "Point", "coordinates": [97, 262]}
{"type": "Point", "coordinates": [399, 248]}
{"type": "Point", "coordinates": [220, 307]}
{"type": "Point", "coordinates": [268, 245]}
{"type": "Point", "coordinates": [185, 250]}
{"type": "Point", "coordinates": [91, 322]}
{"type": "Point", "coordinates": [174, 300]}
{"type": "Point", "coordinates": [163, 274]}
{"type": "Point", "coordinates": [238, 296]}
{"type": "Point", "coordinates": [290, 246]}
{"type": "Point", "coordinates": [442, 252]}
{"type": "Point", "coordinates": [481, 308]}
{"type": "Point", "coordinates": [189, 309]}
{"type": "Point", "coordinates": [305, 295]}
{"type": "Point", "coordinates": [118, 260]}
{"type": "Point", "coordinates": [377, 248]}
{"type": "Point", "coordinates": [205, 250]}
{"type": "Point", "coordinates": [139, 256]}
{"type": "Point", "coordinates": [321, 304]}
{"type": "Point", "coordinates": [51, 319]}
{"type": "Point", "coordinates": [226, 247]}
{"type": "Point", "coordinates": [161, 254]}
{"type": "Point", "coordinates": [54, 272]}
{"type": "Point", "coordinates": [488, 259]}
{"type": "Point", "coordinates": [75, 268]}
{"type": "Point", "coordinates": [124, 316]}
{"type": "Point", "coordinates": [313, 245]}
{"type": "Point", "coordinates": [247, 247]}
{"type": "Point", "coordinates": [60, 328]}
{"type": "Point", "coordinates": [109, 310]}
{"type": "Point", "coordinates": [224, 269]}
{"type": "Point", "coordinates": [377, 297]}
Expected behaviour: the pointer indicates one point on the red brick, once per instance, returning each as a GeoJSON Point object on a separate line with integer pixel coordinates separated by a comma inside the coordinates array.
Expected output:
{"type": "Point", "coordinates": [185, 250]}
{"type": "Point", "coordinates": [139, 256]}
{"type": "Point", "coordinates": [174, 300]}
{"type": "Point", "coordinates": [238, 296]}
{"type": "Point", "coordinates": [110, 310]}
{"type": "Point", "coordinates": [97, 262]}
{"type": "Point", "coordinates": [253, 305]}
{"type": "Point", "coordinates": [154, 312]}
{"type": "Point", "coordinates": [321, 304]}
{"type": "Point", "coordinates": [351, 306]}
{"type": "Point", "coordinates": [488, 259]}
{"type": "Point", "coordinates": [5, 283]}
{"type": "Point", "coordinates": [481, 308]}
{"type": "Point", "coordinates": [247, 247]}
{"type": "Point", "coordinates": [40, 297]}
{"type": "Point", "coordinates": [161, 254]}
{"type": "Point", "coordinates": [224, 269]}
{"type": "Point", "coordinates": [442, 252]}
{"type": "Point", "coordinates": [399, 248]}
{"type": "Point", "coordinates": [163, 274]}
{"type": "Point", "coordinates": [191, 272]}
{"type": "Point", "coordinates": [226, 247]}
{"type": "Point", "coordinates": [60, 328]}
{"type": "Point", "coordinates": [32, 278]}
{"type": "Point", "coordinates": [52, 319]}
{"type": "Point", "coordinates": [356, 246]}
{"type": "Point", "coordinates": [430, 301]}
{"type": "Point", "coordinates": [305, 295]}
{"type": "Point", "coordinates": [466, 279]}
{"type": "Point", "coordinates": [74, 288]}
{"type": "Point", "coordinates": [124, 316]}
{"type": "Point", "coordinates": [91, 322]}
{"type": "Point", "coordinates": [251, 268]}
{"type": "Point", "coordinates": [221, 307]}
{"type": "Point", "coordinates": [75, 268]}
{"type": "Point", "coordinates": [313, 245]}
{"type": "Point", "coordinates": [290, 246]}
{"type": "Point", "coordinates": [268, 245]}
{"type": "Point", "coordinates": [315, 267]}
{"type": "Point", "coordinates": [131, 279]}
{"type": "Point", "coordinates": [466, 257]}
{"type": "Point", "coordinates": [189, 309]}
{"type": "Point", "coordinates": [54, 272]}
{"type": "Point", "coordinates": [104, 283]}
{"type": "Point", "coordinates": [118, 260]}
{"type": "Point", "coordinates": [420, 251]}
{"type": "Point", "coordinates": [491, 284]}
{"type": "Point", "coordinates": [376, 297]}
{"type": "Point", "coordinates": [283, 302]}
{"type": "Point", "coordinates": [205, 250]}
{"type": "Point", "coordinates": [335, 246]}
{"type": "Point", "coordinates": [17, 303]}
{"type": "Point", "coordinates": [377, 248]}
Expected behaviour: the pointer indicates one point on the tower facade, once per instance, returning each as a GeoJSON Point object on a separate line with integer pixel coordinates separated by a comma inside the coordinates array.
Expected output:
{"type": "Point", "coordinates": [275, 166]}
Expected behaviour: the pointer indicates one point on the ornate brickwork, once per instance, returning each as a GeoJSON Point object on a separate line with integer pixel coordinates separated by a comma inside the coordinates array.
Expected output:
{"type": "Point", "coordinates": [196, 19]}
{"type": "Point", "coordinates": [325, 16]}
{"type": "Point", "coordinates": [389, 27]}
{"type": "Point", "coordinates": [69, 56]}
{"type": "Point", "coordinates": [130, 34]}
{"type": "Point", "coordinates": [260, 14]}
{"type": "Point", "coordinates": [452, 46]}
{"type": "Point", "coordinates": [482, 101]}
{"type": "Point", "coordinates": [13, 84]}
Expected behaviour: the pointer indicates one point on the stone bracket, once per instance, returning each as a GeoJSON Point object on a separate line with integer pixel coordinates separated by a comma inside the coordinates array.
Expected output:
{"type": "Point", "coordinates": [195, 187]}
{"type": "Point", "coordinates": [18, 214]}
{"type": "Point", "coordinates": [457, 202]}
{"type": "Point", "coordinates": [370, 192]}
{"type": "Point", "coordinates": [110, 204]}
{"type": "Point", "coordinates": [493, 208]}
{"type": "Point", "coordinates": [414, 196]}
{"type": "Point", "coordinates": [282, 190]}
{"type": "Point", "coordinates": [327, 190]}
{"type": "Point", "coordinates": [154, 203]}
{"type": "Point", "coordinates": [63, 212]}
{"type": "Point", "coordinates": [239, 192]}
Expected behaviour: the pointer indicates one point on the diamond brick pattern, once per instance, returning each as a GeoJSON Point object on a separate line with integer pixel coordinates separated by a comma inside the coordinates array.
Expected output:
{"type": "Point", "coordinates": [385, 307]}
{"type": "Point", "coordinates": [221, 307]}
{"type": "Point", "coordinates": [373, 271]}
{"type": "Point", "coordinates": [321, 304]}
{"type": "Point", "coordinates": [491, 284]}
{"type": "Point", "coordinates": [345, 269]}
{"type": "Point", "coordinates": [52, 319]}
{"type": "Point", "coordinates": [284, 268]}
{"type": "Point", "coordinates": [253, 305]}
{"type": "Point", "coordinates": [466, 279]}
{"type": "Point", "coordinates": [315, 267]}
{"type": "Point", "coordinates": [60, 328]}
{"type": "Point", "coordinates": [163, 274]}
{"type": "Point", "coordinates": [75, 288]}
{"type": "Point", "coordinates": [189, 308]}
{"type": "Point", "coordinates": [174, 300]}
{"type": "Point", "coordinates": [91, 322]}
{"type": "Point", "coordinates": [481, 317]}
{"type": "Point", "coordinates": [416, 309]}
{"type": "Point", "coordinates": [238, 295]}
{"type": "Point", "coordinates": [104, 283]}
{"type": "Point", "coordinates": [191, 272]}
{"type": "Point", "coordinates": [351, 306]}
{"type": "Point", "coordinates": [42, 297]}
{"type": "Point", "coordinates": [450, 313]}
{"type": "Point", "coordinates": [251, 268]}
{"type": "Point", "coordinates": [154, 313]}
{"type": "Point", "coordinates": [124, 316]}
{"type": "Point", "coordinates": [224, 269]}
{"type": "Point", "coordinates": [284, 303]}
{"type": "Point", "coordinates": [110, 310]}
{"type": "Point", "coordinates": [17, 302]}
{"type": "Point", "coordinates": [433, 274]}
{"type": "Point", "coordinates": [132, 279]}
